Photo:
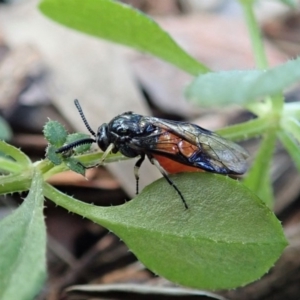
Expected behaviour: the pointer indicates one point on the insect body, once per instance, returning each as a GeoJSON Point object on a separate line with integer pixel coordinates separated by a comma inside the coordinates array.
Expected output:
{"type": "Point", "coordinates": [172, 146]}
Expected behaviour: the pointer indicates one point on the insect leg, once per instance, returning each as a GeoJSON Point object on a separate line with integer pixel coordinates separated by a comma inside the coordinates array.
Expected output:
{"type": "Point", "coordinates": [166, 176]}
{"type": "Point", "coordinates": [107, 151]}
{"type": "Point", "coordinates": [136, 171]}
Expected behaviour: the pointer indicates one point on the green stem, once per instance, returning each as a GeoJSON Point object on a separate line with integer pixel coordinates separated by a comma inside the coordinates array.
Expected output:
{"type": "Point", "coordinates": [246, 130]}
{"type": "Point", "coordinates": [16, 154]}
{"type": "Point", "coordinates": [278, 103]}
{"type": "Point", "coordinates": [87, 159]}
{"type": "Point", "coordinates": [10, 166]}
{"type": "Point", "coordinates": [98, 214]}
{"type": "Point", "coordinates": [258, 48]}
{"type": "Point", "coordinates": [16, 182]}
{"type": "Point", "coordinates": [258, 178]}
{"type": "Point", "coordinates": [65, 201]}
{"type": "Point", "coordinates": [94, 158]}
{"type": "Point", "coordinates": [44, 165]}
{"type": "Point", "coordinates": [55, 170]}
{"type": "Point", "coordinates": [255, 34]}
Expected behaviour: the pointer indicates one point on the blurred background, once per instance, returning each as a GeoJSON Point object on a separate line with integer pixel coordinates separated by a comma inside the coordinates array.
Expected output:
{"type": "Point", "coordinates": [44, 67]}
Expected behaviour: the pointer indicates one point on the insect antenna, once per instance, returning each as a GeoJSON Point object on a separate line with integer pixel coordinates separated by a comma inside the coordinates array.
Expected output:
{"type": "Point", "coordinates": [75, 144]}
{"type": "Point", "coordinates": [82, 141]}
{"type": "Point", "coordinates": [83, 118]}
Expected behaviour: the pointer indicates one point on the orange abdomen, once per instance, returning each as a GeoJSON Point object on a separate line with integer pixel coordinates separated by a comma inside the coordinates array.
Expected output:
{"type": "Point", "coordinates": [173, 167]}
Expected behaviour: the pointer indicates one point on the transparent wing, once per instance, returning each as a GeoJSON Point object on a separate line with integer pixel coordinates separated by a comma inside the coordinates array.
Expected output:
{"type": "Point", "coordinates": [196, 146]}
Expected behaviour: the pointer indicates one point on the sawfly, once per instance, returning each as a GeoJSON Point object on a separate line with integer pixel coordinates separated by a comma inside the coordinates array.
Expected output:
{"type": "Point", "coordinates": [172, 146]}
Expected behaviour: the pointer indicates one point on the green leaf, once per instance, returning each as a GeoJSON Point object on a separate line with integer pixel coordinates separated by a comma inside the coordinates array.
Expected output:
{"type": "Point", "coordinates": [258, 177]}
{"type": "Point", "coordinates": [74, 165]}
{"type": "Point", "coordinates": [5, 131]}
{"type": "Point", "coordinates": [53, 156]}
{"type": "Point", "coordinates": [17, 155]}
{"type": "Point", "coordinates": [122, 24]}
{"type": "Point", "coordinates": [23, 247]}
{"type": "Point", "coordinates": [57, 136]}
{"type": "Point", "coordinates": [76, 137]}
{"type": "Point", "coordinates": [55, 133]}
{"type": "Point", "coordinates": [242, 87]}
{"type": "Point", "coordinates": [226, 238]}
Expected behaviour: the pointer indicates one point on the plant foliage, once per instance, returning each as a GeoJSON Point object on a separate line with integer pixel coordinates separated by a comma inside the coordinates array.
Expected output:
{"type": "Point", "coordinates": [229, 236]}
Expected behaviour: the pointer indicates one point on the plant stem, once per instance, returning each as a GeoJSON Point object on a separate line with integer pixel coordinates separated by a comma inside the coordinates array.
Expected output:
{"type": "Point", "coordinates": [55, 170]}
{"type": "Point", "coordinates": [255, 35]}
{"type": "Point", "coordinates": [98, 214]}
{"type": "Point", "coordinates": [278, 103]}
{"type": "Point", "coordinates": [246, 130]}
{"type": "Point", "coordinates": [258, 178]}
{"type": "Point", "coordinates": [16, 182]}
{"type": "Point", "coordinates": [258, 48]}
{"type": "Point", "coordinates": [44, 165]}
{"type": "Point", "coordinates": [10, 166]}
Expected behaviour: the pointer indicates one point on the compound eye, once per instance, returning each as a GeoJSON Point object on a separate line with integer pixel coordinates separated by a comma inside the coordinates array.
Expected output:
{"type": "Point", "coordinates": [102, 137]}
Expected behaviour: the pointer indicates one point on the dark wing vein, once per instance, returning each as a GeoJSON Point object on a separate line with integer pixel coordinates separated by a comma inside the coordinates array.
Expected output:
{"type": "Point", "coordinates": [219, 151]}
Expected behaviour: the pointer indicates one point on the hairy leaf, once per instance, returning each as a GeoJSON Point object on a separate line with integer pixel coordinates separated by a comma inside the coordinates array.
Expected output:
{"type": "Point", "coordinates": [242, 87]}
{"type": "Point", "coordinates": [23, 247]}
{"type": "Point", "coordinates": [122, 24]}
